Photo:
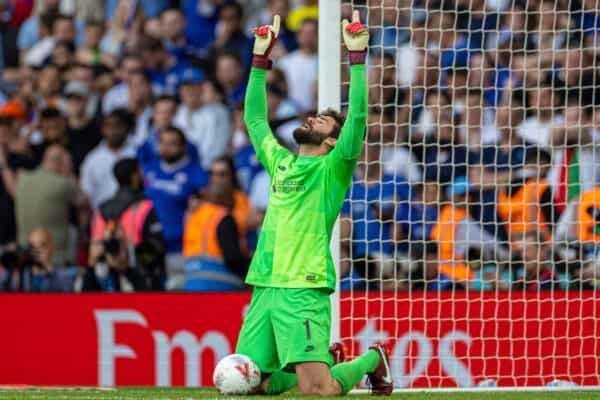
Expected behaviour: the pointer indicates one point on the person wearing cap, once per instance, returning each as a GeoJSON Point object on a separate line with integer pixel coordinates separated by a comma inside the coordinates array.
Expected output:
{"type": "Point", "coordinates": [206, 125]}
{"type": "Point", "coordinates": [456, 233]}
{"type": "Point", "coordinates": [83, 132]}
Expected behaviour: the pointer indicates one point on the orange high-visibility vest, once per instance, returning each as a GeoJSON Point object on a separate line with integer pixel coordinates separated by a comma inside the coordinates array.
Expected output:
{"type": "Point", "coordinates": [131, 221]}
{"type": "Point", "coordinates": [200, 232]}
{"type": "Point", "coordinates": [588, 202]}
{"type": "Point", "coordinates": [443, 232]}
{"type": "Point", "coordinates": [522, 212]}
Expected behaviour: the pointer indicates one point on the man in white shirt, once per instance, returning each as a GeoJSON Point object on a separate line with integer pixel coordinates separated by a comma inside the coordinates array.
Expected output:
{"type": "Point", "coordinates": [301, 66]}
{"type": "Point", "coordinates": [537, 129]}
{"type": "Point", "coordinates": [97, 179]}
{"type": "Point", "coordinates": [205, 122]}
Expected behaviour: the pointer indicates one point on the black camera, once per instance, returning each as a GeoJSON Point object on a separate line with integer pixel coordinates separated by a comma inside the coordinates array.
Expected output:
{"type": "Point", "coordinates": [112, 246]}
{"type": "Point", "coordinates": [18, 257]}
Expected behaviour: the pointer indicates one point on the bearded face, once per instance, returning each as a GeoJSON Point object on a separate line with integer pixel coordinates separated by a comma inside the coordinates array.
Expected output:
{"type": "Point", "coordinates": [315, 130]}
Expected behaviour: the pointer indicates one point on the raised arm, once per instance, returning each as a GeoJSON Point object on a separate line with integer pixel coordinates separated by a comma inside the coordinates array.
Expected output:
{"type": "Point", "coordinates": [349, 144]}
{"type": "Point", "coordinates": [268, 151]}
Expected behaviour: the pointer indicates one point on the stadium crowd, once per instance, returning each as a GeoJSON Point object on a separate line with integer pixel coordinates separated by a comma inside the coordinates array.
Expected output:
{"type": "Point", "coordinates": [125, 164]}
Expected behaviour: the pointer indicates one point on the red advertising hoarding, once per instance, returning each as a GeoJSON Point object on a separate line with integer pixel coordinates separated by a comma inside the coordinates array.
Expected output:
{"type": "Point", "coordinates": [174, 339]}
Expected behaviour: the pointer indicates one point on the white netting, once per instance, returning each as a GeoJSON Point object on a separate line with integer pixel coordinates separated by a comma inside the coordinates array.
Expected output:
{"type": "Point", "coordinates": [469, 235]}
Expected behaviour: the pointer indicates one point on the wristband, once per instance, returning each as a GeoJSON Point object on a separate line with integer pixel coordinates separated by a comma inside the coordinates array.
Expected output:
{"type": "Point", "coordinates": [261, 62]}
{"type": "Point", "coordinates": [357, 57]}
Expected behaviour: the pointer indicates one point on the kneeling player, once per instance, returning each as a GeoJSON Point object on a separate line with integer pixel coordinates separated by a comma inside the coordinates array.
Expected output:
{"type": "Point", "coordinates": [287, 328]}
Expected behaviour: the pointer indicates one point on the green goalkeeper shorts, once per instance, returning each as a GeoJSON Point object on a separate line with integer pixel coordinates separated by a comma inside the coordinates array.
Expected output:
{"type": "Point", "coordinates": [285, 327]}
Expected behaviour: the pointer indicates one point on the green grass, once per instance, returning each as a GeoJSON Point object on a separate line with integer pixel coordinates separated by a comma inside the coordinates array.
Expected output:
{"type": "Point", "coordinates": [193, 394]}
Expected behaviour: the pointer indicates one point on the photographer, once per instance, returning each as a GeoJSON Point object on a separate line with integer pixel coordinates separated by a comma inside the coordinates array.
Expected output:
{"type": "Point", "coordinates": [126, 238]}
{"type": "Point", "coordinates": [31, 269]}
{"type": "Point", "coordinates": [111, 270]}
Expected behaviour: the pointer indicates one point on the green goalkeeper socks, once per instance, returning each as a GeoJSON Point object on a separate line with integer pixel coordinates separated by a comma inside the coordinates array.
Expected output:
{"type": "Point", "coordinates": [281, 382]}
{"type": "Point", "coordinates": [349, 374]}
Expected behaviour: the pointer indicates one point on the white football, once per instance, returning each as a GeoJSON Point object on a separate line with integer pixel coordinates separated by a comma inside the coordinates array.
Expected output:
{"type": "Point", "coordinates": [236, 374]}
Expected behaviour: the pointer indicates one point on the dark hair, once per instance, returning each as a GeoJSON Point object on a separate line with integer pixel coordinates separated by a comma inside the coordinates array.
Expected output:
{"type": "Point", "coordinates": [310, 21]}
{"type": "Point", "coordinates": [149, 43]}
{"type": "Point", "coordinates": [47, 19]}
{"type": "Point", "coordinates": [50, 113]}
{"type": "Point", "coordinates": [239, 10]}
{"type": "Point", "coordinates": [124, 116]}
{"type": "Point", "coordinates": [176, 131]}
{"type": "Point", "coordinates": [68, 44]}
{"type": "Point", "coordinates": [165, 97]}
{"type": "Point", "coordinates": [339, 121]}
{"type": "Point", "coordinates": [124, 170]}
{"type": "Point", "coordinates": [218, 87]}
{"type": "Point", "coordinates": [437, 92]}
{"type": "Point", "coordinates": [64, 17]}
{"type": "Point", "coordinates": [130, 54]}
{"type": "Point", "coordinates": [230, 53]}
{"type": "Point", "coordinates": [231, 165]}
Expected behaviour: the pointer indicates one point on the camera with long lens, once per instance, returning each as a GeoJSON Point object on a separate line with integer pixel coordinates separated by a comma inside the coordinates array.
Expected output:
{"type": "Point", "coordinates": [16, 257]}
{"type": "Point", "coordinates": [112, 246]}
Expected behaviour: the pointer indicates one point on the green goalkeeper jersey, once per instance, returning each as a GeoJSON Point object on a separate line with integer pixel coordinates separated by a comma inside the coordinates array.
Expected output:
{"type": "Point", "coordinates": [306, 193]}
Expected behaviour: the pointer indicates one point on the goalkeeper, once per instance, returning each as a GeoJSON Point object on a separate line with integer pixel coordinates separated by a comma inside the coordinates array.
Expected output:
{"type": "Point", "coordinates": [287, 327]}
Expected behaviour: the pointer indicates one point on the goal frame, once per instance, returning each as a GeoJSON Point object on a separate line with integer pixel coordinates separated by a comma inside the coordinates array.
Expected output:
{"type": "Point", "coordinates": [330, 77]}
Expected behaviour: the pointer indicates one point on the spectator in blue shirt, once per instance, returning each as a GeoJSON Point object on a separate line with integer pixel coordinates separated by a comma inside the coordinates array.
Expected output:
{"type": "Point", "coordinates": [169, 182]}
{"type": "Point", "coordinates": [415, 219]}
{"type": "Point", "coordinates": [172, 31]}
{"type": "Point", "coordinates": [163, 68]}
{"type": "Point", "coordinates": [371, 205]}
{"type": "Point", "coordinates": [230, 32]}
{"type": "Point", "coordinates": [163, 112]}
{"type": "Point", "coordinates": [152, 8]}
{"type": "Point", "coordinates": [202, 17]}
{"type": "Point", "coordinates": [230, 74]}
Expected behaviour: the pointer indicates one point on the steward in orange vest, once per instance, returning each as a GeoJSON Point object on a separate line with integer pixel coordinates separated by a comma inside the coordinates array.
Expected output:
{"type": "Point", "coordinates": [524, 209]}
{"type": "Point", "coordinates": [214, 260]}
{"type": "Point", "coordinates": [588, 217]}
{"type": "Point", "coordinates": [457, 233]}
{"type": "Point", "coordinates": [136, 216]}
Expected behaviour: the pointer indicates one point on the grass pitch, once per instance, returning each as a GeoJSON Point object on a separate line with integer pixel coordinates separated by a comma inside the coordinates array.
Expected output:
{"type": "Point", "coordinates": [201, 394]}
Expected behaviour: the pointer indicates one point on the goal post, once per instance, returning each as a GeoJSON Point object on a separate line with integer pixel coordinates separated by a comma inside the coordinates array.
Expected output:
{"type": "Point", "coordinates": [329, 96]}
{"type": "Point", "coordinates": [475, 211]}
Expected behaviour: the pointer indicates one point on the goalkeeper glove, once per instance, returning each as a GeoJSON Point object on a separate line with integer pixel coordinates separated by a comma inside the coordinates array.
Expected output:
{"type": "Point", "coordinates": [356, 39]}
{"type": "Point", "coordinates": [264, 40]}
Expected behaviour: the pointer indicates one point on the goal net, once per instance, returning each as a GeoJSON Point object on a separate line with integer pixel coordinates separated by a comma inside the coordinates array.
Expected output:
{"type": "Point", "coordinates": [468, 239]}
